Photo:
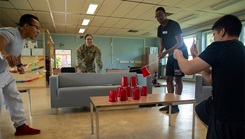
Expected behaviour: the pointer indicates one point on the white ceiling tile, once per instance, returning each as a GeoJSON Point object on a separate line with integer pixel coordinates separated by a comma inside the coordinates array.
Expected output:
{"type": "Point", "coordinates": [133, 24]}
{"type": "Point", "coordinates": [39, 5]}
{"type": "Point", "coordinates": [12, 14]}
{"type": "Point", "coordinates": [61, 28]}
{"type": "Point", "coordinates": [24, 4]}
{"type": "Point", "coordinates": [123, 9]}
{"type": "Point", "coordinates": [59, 18]}
{"type": "Point", "coordinates": [57, 5]}
{"type": "Point", "coordinates": [44, 18]}
{"type": "Point", "coordinates": [107, 9]}
{"type": "Point", "coordinates": [97, 21]}
{"type": "Point", "coordinates": [121, 23]}
{"type": "Point", "coordinates": [111, 31]}
{"type": "Point", "coordinates": [76, 6]}
{"type": "Point", "coordinates": [139, 10]}
{"type": "Point", "coordinates": [110, 22]}
{"type": "Point", "coordinates": [101, 30]}
{"type": "Point", "coordinates": [91, 30]}
{"type": "Point", "coordinates": [4, 17]}
{"type": "Point", "coordinates": [6, 4]}
{"type": "Point", "coordinates": [72, 29]}
{"type": "Point", "coordinates": [73, 19]}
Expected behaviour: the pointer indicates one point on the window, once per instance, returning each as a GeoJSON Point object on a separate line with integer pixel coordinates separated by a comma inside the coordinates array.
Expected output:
{"type": "Point", "coordinates": [242, 35]}
{"type": "Point", "coordinates": [63, 58]}
{"type": "Point", "coordinates": [188, 42]}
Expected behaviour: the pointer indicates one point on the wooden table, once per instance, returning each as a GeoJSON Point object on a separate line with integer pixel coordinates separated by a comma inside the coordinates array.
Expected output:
{"type": "Point", "coordinates": [101, 102]}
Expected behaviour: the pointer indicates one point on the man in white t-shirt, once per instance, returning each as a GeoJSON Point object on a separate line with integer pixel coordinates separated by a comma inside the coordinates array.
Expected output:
{"type": "Point", "coordinates": [12, 41]}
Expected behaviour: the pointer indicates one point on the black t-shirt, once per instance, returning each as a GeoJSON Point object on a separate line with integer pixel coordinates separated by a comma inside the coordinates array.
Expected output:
{"type": "Point", "coordinates": [227, 61]}
{"type": "Point", "coordinates": [167, 34]}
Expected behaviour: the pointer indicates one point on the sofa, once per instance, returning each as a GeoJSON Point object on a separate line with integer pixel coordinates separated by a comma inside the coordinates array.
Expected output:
{"type": "Point", "coordinates": [72, 89]}
{"type": "Point", "coordinates": [203, 89]}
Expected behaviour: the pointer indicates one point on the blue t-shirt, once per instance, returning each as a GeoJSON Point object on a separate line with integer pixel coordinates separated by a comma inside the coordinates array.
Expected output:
{"type": "Point", "coordinates": [14, 46]}
{"type": "Point", "coordinates": [227, 61]}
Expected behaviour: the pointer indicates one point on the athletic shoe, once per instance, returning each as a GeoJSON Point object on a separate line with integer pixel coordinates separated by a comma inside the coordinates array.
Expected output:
{"type": "Point", "coordinates": [175, 109]}
{"type": "Point", "coordinates": [26, 130]}
{"type": "Point", "coordinates": [164, 108]}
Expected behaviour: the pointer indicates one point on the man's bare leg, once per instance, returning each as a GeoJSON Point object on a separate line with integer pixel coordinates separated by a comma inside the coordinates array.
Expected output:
{"type": "Point", "coordinates": [179, 85]}
{"type": "Point", "coordinates": [170, 84]}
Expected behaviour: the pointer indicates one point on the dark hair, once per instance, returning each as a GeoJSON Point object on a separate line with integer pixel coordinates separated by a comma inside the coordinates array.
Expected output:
{"type": "Point", "coordinates": [87, 36]}
{"type": "Point", "coordinates": [160, 9]}
{"type": "Point", "coordinates": [26, 18]}
{"type": "Point", "coordinates": [230, 23]}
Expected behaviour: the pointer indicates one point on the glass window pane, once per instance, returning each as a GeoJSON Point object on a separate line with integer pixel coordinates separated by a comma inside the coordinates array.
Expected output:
{"type": "Point", "coordinates": [188, 42]}
{"type": "Point", "coordinates": [209, 38]}
{"type": "Point", "coordinates": [63, 58]}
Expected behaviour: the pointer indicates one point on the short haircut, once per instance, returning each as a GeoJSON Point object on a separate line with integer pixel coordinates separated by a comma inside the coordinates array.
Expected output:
{"type": "Point", "coordinates": [26, 18]}
{"type": "Point", "coordinates": [160, 9]}
{"type": "Point", "coordinates": [230, 23]}
{"type": "Point", "coordinates": [87, 36]}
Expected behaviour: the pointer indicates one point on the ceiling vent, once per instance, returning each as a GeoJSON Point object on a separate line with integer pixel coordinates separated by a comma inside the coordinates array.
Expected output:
{"type": "Point", "coordinates": [134, 31]}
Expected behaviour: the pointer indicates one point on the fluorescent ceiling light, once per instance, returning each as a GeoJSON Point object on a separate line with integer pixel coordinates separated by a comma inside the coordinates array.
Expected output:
{"type": "Point", "coordinates": [81, 30]}
{"type": "Point", "coordinates": [92, 8]}
{"type": "Point", "coordinates": [85, 22]}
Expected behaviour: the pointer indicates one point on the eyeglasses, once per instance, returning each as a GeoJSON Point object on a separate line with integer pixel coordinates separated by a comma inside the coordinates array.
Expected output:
{"type": "Point", "coordinates": [37, 27]}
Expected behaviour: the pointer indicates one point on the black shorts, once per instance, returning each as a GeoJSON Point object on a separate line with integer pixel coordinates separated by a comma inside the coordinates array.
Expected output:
{"type": "Point", "coordinates": [172, 68]}
{"type": "Point", "coordinates": [219, 129]}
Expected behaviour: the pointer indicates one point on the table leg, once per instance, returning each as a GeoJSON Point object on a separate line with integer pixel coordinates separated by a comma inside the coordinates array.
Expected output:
{"type": "Point", "coordinates": [92, 117]}
{"type": "Point", "coordinates": [29, 94]}
{"type": "Point", "coordinates": [169, 114]}
{"type": "Point", "coordinates": [97, 123]}
{"type": "Point", "coordinates": [193, 121]}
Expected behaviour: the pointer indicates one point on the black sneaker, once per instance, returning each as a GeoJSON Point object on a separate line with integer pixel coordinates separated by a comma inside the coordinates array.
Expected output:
{"type": "Point", "coordinates": [164, 108]}
{"type": "Point", "coordinates": [175, 109]}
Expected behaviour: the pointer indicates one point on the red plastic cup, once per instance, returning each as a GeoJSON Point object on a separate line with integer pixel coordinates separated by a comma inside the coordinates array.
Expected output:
{"type": "Point", "coordinates": [133, 81]}
{"type": "Point", "coordinates": [119, 91]}
{"type": "Point", "coordinates": [129, 91]}
{"type": "Point", "coordinates": [124, 82]}
{"type": "Point", "coordinates": [144, 91]}
{"type": "Point", "coordinates": [145, 71]}
{"type": "Point", "coordinates": [136, 95]}
{"type": "Point", "coordinates": [113, 96]}
{"type": "Point", "coordinates": [123, 96]}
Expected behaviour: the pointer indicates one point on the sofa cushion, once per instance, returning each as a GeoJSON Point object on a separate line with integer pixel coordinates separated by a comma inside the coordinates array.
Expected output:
{"type": "Point", "coordinates": [205, 82]}
{"type": "Point", "coordinates": [91, 79]}
{"type": "Point", "coordinates": [76, 91]}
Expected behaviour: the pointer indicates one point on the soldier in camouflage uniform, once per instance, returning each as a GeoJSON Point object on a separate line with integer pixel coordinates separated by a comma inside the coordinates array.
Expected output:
{"type": "Point", "coordinates": [86, 56]}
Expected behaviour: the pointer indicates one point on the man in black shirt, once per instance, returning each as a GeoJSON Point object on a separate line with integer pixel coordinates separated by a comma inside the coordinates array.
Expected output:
{"type": "Point", "coordinates": [169, 33]}
{"type": "Point", "coordinates": [223, 113]}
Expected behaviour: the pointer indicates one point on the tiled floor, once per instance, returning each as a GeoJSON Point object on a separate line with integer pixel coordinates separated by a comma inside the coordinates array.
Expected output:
{"type": "Point", "coordinates": [74, 123]}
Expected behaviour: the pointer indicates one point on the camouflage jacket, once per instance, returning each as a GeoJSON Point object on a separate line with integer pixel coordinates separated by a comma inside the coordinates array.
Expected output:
{"type": "Point", "coordinates": [86, 57]}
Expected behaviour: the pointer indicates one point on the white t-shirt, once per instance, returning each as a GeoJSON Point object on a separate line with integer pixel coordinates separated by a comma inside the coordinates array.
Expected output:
{"type": "Point", "coordinates": [14, 46]}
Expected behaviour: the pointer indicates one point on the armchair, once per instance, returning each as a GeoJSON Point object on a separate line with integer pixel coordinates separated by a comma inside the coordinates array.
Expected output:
{"type": "Point", "coordinates": [203, 89]}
